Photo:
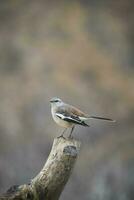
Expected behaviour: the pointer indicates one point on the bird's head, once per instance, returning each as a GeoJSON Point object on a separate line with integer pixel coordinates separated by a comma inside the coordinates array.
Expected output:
{"type": "Point", "coordinates": [56, 101]}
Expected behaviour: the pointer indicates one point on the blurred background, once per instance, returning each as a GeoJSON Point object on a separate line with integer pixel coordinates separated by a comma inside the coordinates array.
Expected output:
{"type": "Point", "coordinates": [82, 52]}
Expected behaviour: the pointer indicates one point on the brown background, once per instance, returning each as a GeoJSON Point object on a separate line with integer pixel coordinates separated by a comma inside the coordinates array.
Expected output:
{"type": "Point", "coordinates": [82, 52]}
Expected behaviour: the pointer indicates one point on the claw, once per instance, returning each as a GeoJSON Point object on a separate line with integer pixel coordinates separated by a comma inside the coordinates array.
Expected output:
{"type": "Point", "coordinates": [61, 136]}
{"type": "Point", "coordinates": [70, 137]}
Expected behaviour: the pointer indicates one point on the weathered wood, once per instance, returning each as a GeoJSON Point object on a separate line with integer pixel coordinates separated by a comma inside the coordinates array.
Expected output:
{"type": "Point", "coordinates": [50, 182]}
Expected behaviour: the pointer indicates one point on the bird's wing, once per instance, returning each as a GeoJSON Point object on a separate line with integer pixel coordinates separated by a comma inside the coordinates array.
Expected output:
{"type": "Point", "coordinates": [76, 111]}
{"type": "Point", "coordinates": [66, 113]}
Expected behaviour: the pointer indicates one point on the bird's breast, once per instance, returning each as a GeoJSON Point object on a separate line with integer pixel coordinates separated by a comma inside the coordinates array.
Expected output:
{"type": "Point", "coordinates": [61, 122]}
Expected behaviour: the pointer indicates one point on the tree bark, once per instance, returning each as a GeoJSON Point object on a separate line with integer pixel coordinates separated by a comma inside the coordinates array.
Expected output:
{"type": "Point", "coordinates": [50, 181]}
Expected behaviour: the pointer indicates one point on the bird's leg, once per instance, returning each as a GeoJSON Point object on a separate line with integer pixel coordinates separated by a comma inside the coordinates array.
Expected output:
{"type": "Point", "coordinates": [70, 136]}
{"type": "Point", "coordinates": [62, 133]}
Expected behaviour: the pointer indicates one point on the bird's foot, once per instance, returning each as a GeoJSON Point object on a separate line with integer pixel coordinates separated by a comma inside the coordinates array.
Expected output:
{"type": "Point", "coordinates": [70, 137]}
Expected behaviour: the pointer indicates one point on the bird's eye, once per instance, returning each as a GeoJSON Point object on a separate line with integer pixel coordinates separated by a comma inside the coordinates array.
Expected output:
{"type": "Point", "coordinates": [56, 101]}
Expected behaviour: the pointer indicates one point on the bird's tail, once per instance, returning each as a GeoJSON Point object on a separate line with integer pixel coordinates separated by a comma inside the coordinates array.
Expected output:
{"type": "Point", "coordinates": [102, 118]}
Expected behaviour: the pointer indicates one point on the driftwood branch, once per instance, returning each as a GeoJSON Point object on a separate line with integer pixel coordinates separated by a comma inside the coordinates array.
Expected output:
{"type": "Point", "coordinates": [50, 181]}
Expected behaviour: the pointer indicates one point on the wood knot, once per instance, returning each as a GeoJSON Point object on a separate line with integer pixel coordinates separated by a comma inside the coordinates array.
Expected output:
{"type": "Point", "coordinates": [12, 189]}
{"type": "Point", "coordinates": [71, 151]}
{"type": "Point", "coordinates": [29, 196]}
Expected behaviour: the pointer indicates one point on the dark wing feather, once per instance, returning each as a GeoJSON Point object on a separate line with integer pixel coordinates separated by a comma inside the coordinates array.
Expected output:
{"type": "Point", "coordinates": [76, 120]}
{"type": "Point", "coordinates": [71, 118]}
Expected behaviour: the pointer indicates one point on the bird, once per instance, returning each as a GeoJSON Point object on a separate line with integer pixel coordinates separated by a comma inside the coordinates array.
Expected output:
{"type": "Point", "coordinates": [68, 116]}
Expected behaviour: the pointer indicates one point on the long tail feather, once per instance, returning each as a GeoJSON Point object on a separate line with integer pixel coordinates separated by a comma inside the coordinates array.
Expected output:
{"type": "Point", "coordinates": [102, 118]}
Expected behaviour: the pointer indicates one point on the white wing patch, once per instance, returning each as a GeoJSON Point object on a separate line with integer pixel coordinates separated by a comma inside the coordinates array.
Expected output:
{"type": "Point", "coordinates": [67, 117]}
{"type": "Point", "coordinates": [60, 115]}
{"type": "Point", "coordinates": [72, 119]}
